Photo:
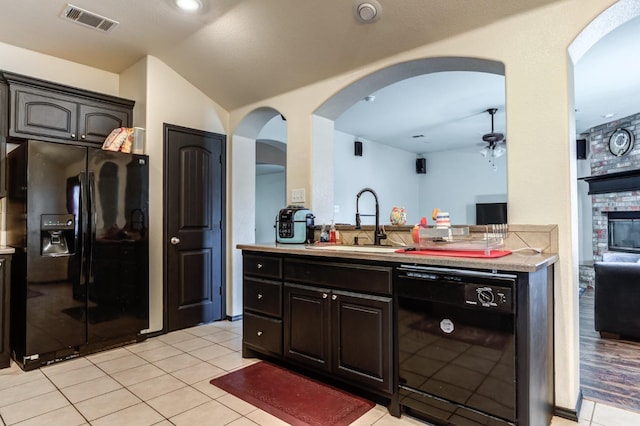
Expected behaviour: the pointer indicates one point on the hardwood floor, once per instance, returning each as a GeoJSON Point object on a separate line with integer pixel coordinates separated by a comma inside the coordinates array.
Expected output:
{"type": "Point", "coordinates": [609, 369]}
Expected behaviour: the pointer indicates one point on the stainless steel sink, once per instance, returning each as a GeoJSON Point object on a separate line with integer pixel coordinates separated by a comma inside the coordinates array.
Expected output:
{"type": "Point", "coordinates": [362, 249]}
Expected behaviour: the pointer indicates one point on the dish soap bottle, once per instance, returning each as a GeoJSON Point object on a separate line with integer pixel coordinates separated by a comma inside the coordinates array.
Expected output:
{"type": "Point", "coordinates": [332, 233]}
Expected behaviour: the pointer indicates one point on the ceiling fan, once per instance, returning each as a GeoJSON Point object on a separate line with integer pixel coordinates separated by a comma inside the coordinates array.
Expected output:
{"type": "Point", "coordinates": [496, 142]}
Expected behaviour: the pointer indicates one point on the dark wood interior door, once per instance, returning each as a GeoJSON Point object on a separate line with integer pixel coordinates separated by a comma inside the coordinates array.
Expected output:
{"type": "Point", "coordinates": [194, 182]}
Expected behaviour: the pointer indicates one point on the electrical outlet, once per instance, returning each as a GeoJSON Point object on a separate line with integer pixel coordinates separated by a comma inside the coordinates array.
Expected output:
{"type": "Point", "coordinates": [297, 195]}
{"type": "Point", "coordinates": [336, 208]}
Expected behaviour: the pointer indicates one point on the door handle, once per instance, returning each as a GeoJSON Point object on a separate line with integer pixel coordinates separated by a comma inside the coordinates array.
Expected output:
{"type": "Point", "coordinates": [175, 241]}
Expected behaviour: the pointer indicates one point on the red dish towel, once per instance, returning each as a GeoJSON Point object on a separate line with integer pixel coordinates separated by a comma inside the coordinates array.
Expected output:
{"type": "Point", "coordinates": [458, 253]}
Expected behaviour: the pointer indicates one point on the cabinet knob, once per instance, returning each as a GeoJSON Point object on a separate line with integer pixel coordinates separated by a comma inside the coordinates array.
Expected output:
{"type": "Point", "coordinates": [259, 265]}
{"type": "Point", "coordinates": [83, 137]}
{"type": "Point", "coordinates": [259, 333]}
{"type": "Point", "coordinates": [175, 241]}
{"type": "Point", "coordinates": [325, 295]}
{"type": "Point", "coordinates": [73, 135]}
{"type": "Point", "coordinates": [259, 296]}
{"type": "Point", "coordinates": [334, 297]}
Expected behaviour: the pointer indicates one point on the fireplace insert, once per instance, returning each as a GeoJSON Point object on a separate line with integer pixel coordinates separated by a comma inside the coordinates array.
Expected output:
{"type": "Point", "coordinates": [624, 231]}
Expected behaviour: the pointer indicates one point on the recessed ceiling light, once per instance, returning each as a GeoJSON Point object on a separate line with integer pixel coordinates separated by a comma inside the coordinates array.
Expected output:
{"type": "Point", "coordinates": [370, 98]}
{"type": "Point", "coordinates": [189, 5]}
{"type": "Point", "coordinates": [608, 115]}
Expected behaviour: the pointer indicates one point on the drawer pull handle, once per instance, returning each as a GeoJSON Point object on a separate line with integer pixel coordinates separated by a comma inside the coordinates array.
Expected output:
{"type": "Point", "coordinates": [259, 333]}
{"type": "Point", "coordinates": [334, 297]}
{"type": "Point", "coordinates": [259, 265]}
{"type": "Point", "coordinates": [325, 295]}
{"type": "Point", "coordinates": [259, 296]}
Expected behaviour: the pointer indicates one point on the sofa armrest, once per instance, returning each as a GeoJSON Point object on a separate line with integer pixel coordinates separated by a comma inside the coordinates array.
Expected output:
{"type": "Point", "coordinates": [617, 298]}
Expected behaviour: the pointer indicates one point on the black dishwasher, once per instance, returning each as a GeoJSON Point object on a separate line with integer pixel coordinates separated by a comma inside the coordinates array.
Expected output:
{"type": "Point", "coordinates": [456, 345]}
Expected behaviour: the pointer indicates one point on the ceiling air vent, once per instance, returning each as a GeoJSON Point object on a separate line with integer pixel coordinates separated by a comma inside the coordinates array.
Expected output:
{"type": "Point", "coordinates": [88, 19]}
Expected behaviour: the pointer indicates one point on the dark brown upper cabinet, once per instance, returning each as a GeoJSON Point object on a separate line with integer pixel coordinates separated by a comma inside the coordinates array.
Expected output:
{"type": "Point", "coordinates": [4, 129]}
{"type": "Point", "coordinates": [52, 112]}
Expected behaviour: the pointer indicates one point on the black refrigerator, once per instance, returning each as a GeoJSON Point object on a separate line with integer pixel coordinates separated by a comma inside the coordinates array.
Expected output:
{"type": "Point", "coordinates": [78, 220]}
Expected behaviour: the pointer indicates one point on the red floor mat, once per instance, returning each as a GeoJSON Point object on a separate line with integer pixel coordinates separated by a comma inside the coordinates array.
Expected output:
{"type": "Point", "coordinates": [291, 397]}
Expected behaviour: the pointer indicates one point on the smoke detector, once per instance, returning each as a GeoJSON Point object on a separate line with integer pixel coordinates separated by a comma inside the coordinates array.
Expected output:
{"type": "Point", "coordinates": [88, 19]}
{"type": "Point", "coordinates": [367, 11]}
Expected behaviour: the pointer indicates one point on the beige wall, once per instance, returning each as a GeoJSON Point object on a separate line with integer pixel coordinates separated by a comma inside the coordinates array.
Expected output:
{"type": "Point", "coordinates": [27, 62]}
{"type": "Point", "coordinates": [169, 99]}
{"type": "Point", "coordinates": [541, 166]}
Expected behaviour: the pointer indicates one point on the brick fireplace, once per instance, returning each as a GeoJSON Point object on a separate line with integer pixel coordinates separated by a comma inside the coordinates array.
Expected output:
{"type": "Point", "coordinates": [614, 184]}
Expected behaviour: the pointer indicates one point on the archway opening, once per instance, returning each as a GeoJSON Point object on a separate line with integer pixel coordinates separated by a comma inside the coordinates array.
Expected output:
{"type": "Point", "coordinates": [605, 101]}
{"type": "Point", "coordinates": [433, 109]}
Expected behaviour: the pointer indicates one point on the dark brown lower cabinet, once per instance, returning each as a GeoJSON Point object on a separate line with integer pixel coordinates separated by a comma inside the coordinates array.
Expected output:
{"type": "Point", "coordinates": [347, 334]}
{"type": "Point", "coordinates": [5, 297]}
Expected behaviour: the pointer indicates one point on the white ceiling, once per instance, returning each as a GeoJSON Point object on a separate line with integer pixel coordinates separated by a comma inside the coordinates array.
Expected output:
{"type": "Point", "coordinates": [242, 51]}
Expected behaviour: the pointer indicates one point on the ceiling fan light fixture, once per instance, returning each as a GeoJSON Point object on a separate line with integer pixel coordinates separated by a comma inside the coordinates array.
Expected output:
{"type": "Point", "coordinates": [484, 152]}
{"type": "Point", "coordinates": [499, 151]}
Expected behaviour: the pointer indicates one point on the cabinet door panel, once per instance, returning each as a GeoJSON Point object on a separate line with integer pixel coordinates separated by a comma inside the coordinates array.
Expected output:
{"type": "Point", "coordinates": [39, 114]}
{"type": "Point", "coordinates": [4, 129]}
{"type": "Point", "coordinates": [362, 338]}
{"type": "Point", "coordinates": [307, 325]}
{"type": "Point", "coordinates": [5, 296]}
{"type": "Point", "coordinates": [96, 123]}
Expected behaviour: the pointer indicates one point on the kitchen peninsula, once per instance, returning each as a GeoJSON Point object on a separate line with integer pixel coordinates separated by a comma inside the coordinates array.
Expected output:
{"type": "Point", "coordinates": [451, 340]}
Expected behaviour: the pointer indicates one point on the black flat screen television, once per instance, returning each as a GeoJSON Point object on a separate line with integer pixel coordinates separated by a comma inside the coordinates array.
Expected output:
{"type": "Point", "coordinates": [491, 213]}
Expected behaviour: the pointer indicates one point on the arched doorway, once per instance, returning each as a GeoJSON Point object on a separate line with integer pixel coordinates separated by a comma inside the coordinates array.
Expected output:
{"type": "Point", "coordinates": [605, 100]}
{"type": "Point", "coordinates": [271, 159]}
{"type": "Point", "coordinates": [243, 188]}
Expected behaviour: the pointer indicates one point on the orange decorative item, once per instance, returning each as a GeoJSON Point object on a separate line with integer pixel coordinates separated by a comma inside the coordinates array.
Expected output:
{"type": "Point", "coordinates": [415, 232]}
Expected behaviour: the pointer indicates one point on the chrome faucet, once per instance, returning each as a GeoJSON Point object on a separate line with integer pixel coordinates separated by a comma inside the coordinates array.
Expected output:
{"type": "Point", "coordinates": [377, 234]}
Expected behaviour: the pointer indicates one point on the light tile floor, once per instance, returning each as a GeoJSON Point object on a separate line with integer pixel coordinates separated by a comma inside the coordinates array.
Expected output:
{"type": "Point", "coordinates": [165, 381]}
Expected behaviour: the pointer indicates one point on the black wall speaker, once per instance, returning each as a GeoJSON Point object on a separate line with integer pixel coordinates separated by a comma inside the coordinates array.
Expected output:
{"type": "Point", "coordinates": [581, 149]}
{"type": "Point", "coordinates": [357, 149]}
{"type": "Point", "coordinates": [421, 166]}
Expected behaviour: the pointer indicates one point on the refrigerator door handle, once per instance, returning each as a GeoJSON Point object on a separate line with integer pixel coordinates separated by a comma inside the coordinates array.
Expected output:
{"type": "Point", "coordinates": [82, 229]}
{"type": "Point", "coordinates": [92, 219]}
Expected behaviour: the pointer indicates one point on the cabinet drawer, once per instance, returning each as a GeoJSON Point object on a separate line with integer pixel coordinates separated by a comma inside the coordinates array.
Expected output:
{"type": "Point", "coordinates": [345, 276]}
{"type": "Point", "coordinates": [262, 333]}
{"type": "Point", "coordinates": [262, 266]}
{"type": "Point", "coordinates": [263, 296]}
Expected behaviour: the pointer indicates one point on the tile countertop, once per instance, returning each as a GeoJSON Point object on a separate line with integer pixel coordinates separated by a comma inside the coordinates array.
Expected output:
{"type": "Point", "coordinates": [524, 261]}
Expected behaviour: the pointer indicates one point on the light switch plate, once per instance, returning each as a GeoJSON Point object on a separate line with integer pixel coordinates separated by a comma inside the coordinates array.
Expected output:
{"type": "Point", "coordinates": [297, 195]}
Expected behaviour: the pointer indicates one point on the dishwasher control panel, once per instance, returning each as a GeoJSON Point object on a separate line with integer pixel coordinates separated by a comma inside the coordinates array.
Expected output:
{"type": "Point", "coordinates": [489, 297]}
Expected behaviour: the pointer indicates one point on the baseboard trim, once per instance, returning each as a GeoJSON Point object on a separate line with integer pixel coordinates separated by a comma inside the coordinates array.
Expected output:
{"type": "Point", "coordinates": [234, 318]}
{"type": "Point", "coordinates": [567, 413]}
